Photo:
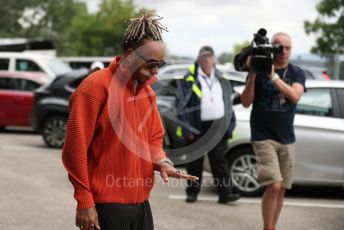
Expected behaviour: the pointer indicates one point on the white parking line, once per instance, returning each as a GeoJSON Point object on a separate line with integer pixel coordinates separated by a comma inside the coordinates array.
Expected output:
{"type": "Point", "coordinates": [253, 201]}
{"type": "Point", "coordinates": [20, 148]}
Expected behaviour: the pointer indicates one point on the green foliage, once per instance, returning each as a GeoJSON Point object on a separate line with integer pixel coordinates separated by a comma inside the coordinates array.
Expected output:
{"type": "Point", "coordinates": [100, 34]}
{"type": "Point", "coordinates": [10, 12]}
{"type": "Point", "coordinates": [68, 24]}
{"type": "Point", "coordinates": [229, 57]}
{"type": "Point", "coordinates": [328, 27]}
{"type": "Point", "coordinates": [225, 57]}
{"type": "Point", "coordinates": [38, 18]}
{"type": "Point", "coordinates": [239, 46]}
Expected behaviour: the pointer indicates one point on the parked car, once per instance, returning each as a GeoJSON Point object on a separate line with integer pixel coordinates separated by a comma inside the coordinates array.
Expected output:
{"type": "Point", "coordinates": [319, 130]}
{"type": "Point", "coordinates": [33, 62]}
{"type": "Point", "coordinates": [171, 71]}
{"type": "Point", "coordinates": [16, 96]}
{"type": "Point", "coordinates": [315, 73]}
{"type": "Point", "coordinates": [85, 62]}
{"type": "Point", "coordinates": [177, 72]}
{"type": "Point", "coordinates": [50, 111]}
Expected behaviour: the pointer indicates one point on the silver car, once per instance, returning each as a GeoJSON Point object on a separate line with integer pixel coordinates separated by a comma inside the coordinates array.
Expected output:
{"type": "Point", "coordinates": [319, 130]}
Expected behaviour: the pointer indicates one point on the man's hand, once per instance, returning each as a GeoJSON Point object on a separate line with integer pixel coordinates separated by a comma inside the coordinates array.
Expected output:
{"type": "Point", "coordinates": [248, 63]}
{"type": "Point", "coordinates": [167, 170]}
{"type": "Point", "coordinates": [272, 74]}
{"type": "Point", "coordinates": [87, 219]}
{"type": "Point", "coordinates": [292, 93]}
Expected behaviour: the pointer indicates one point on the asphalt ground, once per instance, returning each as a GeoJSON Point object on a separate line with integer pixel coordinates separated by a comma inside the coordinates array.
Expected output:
{"type": "Point", "coordinates": [36, 194]}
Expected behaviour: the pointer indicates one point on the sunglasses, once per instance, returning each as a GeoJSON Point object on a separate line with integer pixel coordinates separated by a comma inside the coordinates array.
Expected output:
{"type": "Point", "coordinates": [151, 64]}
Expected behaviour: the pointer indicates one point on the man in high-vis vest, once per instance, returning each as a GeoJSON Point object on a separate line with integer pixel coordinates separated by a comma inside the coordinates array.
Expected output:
{"type": "Point", "coordinates": [204, 103]}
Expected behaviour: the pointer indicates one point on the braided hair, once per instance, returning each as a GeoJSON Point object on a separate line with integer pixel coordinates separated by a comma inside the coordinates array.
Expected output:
{"type": "Point", "coordinates": [146, 26]}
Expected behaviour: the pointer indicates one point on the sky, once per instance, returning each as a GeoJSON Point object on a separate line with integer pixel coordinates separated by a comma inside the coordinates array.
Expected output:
{"type": "Point", "coordinates": [224, 23]}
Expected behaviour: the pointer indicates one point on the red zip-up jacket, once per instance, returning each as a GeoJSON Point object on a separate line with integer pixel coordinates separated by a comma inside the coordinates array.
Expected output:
{"type": "Point", "coordinates": [113, 139]}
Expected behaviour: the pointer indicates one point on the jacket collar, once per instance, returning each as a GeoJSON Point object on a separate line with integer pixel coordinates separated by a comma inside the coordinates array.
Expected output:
{"type": "Point", "coordinates": [217, 73]}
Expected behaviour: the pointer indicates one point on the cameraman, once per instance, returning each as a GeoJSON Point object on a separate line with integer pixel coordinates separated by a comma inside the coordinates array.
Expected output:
{"type": "Point", "coordinates": [274, 98]}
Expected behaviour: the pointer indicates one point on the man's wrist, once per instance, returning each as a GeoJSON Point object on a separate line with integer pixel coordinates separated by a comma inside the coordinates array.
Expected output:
{"type": "Point", "coordinates": [165, 160]}
{"type": "Point", "coordinates": [275, 77]}
{"type": "Point", "coordinates": [251, 74]}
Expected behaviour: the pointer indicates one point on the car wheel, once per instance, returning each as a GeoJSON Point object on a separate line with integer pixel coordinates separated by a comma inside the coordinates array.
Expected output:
{"type": "Point", "coordinates": [2, 128]}
{"type": "Point", "coordinates": [53, 131]}
{"type": "Point", "coordinates": [243, 170]}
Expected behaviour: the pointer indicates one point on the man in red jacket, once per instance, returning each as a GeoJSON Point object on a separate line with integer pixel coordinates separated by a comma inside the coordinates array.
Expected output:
{"type": "Point", "coordinates": [114, 135]}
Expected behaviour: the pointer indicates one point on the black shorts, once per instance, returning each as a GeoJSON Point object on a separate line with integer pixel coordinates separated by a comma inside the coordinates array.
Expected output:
{"type": "Point", "coordinates": [113, 216]}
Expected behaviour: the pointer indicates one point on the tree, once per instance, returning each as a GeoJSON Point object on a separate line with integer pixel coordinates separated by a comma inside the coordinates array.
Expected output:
{"type": "Point", "coordinates": [10, 12]}
{"type": "Point", "coordinates": [100, 34]}
{"type": "Point", "coordinates": [68, 24]}
{"type": "Point", "coordinates": [38, 18]}
{"type": "Point", "coordinates": [328, 27]}
{"type": "Point", "coordinates": [329, 30]}
{"type": "Point", "coordinates": [225, 57]}
{"type": "Point", "coordinates": [239, 46]}
{"type": "Point", "coordinates": [229, 56]}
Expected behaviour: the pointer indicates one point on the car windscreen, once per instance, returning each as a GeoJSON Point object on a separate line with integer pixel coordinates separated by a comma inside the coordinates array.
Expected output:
{"type": "Point", "coordinates": [57, 66]}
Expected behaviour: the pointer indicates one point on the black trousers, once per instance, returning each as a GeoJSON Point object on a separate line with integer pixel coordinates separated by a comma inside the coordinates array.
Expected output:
{"type": "Point", "coordinates": [113, 216]}
{"type": "Point", "coordinates": [219, 168]}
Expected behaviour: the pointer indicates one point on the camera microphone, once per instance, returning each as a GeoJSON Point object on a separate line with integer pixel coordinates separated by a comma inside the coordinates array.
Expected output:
{"type": "Point", "coordinates": [260, 37]}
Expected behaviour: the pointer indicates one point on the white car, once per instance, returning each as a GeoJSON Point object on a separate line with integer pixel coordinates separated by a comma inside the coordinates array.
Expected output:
{"type": "Point", "coordinates": [319, 130]}
{"type": "Point", "coordinates": [177, 72]}
{"type": "Point", "coordinates": [33, 62]}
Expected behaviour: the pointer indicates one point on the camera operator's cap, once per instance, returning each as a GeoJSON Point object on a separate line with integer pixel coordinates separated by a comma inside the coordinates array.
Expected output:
{"type": "Point", "coordinates": [206, 50]}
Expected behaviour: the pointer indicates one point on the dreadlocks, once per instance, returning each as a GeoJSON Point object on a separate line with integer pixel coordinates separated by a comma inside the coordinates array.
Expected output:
{"type": "Point", "coordinates": [146, 26]}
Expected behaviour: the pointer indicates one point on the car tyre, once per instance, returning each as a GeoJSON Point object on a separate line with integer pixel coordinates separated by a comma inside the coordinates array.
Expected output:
{"type": "Point", "coordinates": [53, 131]}
{"type": "Point", "coordinates": [2, 128]}
{"type": "Point", "coordinates": [243, 171]}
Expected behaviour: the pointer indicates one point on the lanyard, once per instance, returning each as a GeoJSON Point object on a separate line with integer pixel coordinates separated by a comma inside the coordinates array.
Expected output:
{"type": "Point", "coordinates": [211, 84]}
{"type": "Point", "coordinates": [284, 73]}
